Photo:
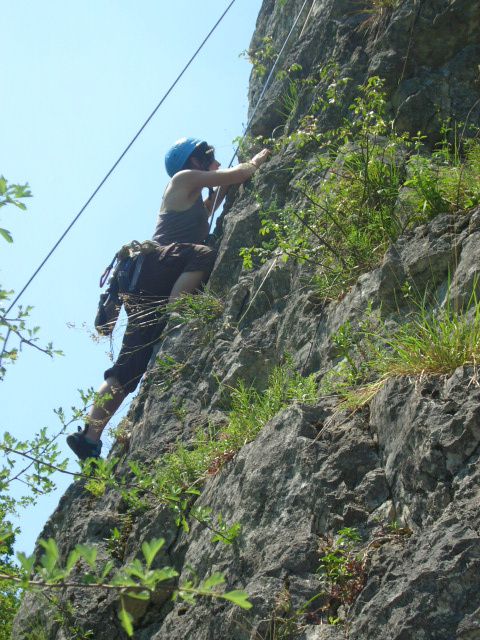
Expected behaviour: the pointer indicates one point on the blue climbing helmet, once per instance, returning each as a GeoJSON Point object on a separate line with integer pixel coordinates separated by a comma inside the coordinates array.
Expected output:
{"type": "Point", "coordinates": [177, 156]}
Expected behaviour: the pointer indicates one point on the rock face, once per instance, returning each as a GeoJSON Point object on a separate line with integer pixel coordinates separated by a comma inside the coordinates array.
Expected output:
{"type": "Point", "coordinates": [411, 458]}
{"type": "Point", "coordinates": [427, 51]}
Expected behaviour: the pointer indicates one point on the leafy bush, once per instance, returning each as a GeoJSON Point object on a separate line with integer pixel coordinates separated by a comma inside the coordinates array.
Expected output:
{"type": "Point", "coordinates": [364, 186]}
{"type": "Point", "coordinates": [447, 181]}
{"type": "Point", "coordinates": [262, 56]}
{"type": "Point", "coordinates": [342, 570]}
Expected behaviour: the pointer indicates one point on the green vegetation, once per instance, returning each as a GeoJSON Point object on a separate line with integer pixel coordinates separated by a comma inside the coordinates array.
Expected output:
{"type": "Point", "coordinates": [261, 57]}
{"type": "Point", "coordinates": [342, 571]}
{"type": "Point", "coordinates": [432, 340]}
{"type": "Point", "coordinates": [40, 459]}
{"type": "Point", "coordinates": [14, 328]}
{"type": "Point", "coordinates": [175, 481]}
{"type": "Point", "coordinates": [177, 476]}
{"type": "Point", "coordinates": [166, 371]}
{"type": "Point", "coordinates": [447, 181]}
{"type": "Point", "coordinates": [117, 542]}
{"type": "Point", "coordinates": [378, 6]}
{"type": "Point", "coordinates": [202, 307]}
{"type": "Point", "coordinates": [137, 579]}
{"type": "Point", "coordinates": [62, 613]}
{"type": "Point", "coordinates": [9, 596]}
{"type": "Point", "coordinates": [12, 194]}
{"type": "Point", "coordinates": [362, 185]}
{"type": "Point", "coordinates": [40, 455]}
{"type": "Point", "coordinates": [250, 411]}
{"type": "Point", "coordinates": [377, 12]}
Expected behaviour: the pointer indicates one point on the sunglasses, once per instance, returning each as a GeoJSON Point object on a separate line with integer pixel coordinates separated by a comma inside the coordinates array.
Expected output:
{"type": "Point", "coordinates": [209, 155]}
{"type": "Point", "coordinates": [205, 154]}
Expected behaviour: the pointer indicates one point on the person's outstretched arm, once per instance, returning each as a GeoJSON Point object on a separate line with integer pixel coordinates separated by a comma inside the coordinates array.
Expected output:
{"type": "Point", "coordinates": [194, 179]}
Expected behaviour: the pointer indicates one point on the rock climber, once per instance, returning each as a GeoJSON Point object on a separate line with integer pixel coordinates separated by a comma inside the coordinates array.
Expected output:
{"type": "Point", "coordinates": [182, 263]}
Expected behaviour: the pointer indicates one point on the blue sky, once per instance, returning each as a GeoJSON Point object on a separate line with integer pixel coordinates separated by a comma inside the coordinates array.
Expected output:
{"type": "Point", "coordinates": [78, 79]}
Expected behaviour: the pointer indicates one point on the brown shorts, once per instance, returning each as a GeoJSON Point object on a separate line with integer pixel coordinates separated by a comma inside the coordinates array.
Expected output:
{"type": "Point", "coordinates": [160, 271]}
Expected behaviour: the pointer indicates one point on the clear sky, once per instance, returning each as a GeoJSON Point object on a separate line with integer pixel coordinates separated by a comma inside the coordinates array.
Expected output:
{"type": "Point", "coordinates": [78, 79]}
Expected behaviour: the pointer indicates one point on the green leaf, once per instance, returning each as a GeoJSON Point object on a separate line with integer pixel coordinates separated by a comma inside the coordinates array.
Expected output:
{"type": "Point", "coordinates": [135, 568]}
{"type": "Point", "coordinates": [3, 186]}
{"type": "Point", "coordinates": [21, 191]}
{"type": "Point", "coordinates": [192, 491]}
{"type": "Point", "coordinates": [166, 573]}
{"type": "Point", "coordinates": [150, 550]}
{"type": "Point", "coordinates": [89, 554]}
{"type": "Point", "coordinates": [240, 598]}
{"type": "Point", "coordinates": [139, 595]}
{"type": "Point", "coordinates": [126, 621]}
{"type": "Point", "coordinates": [6, 235]}
{"type": "Point", "coordinates": [214, 580]}
{"type": "Point", "coordinates": [26, 562]}
{"type": "Point", "coordinates": [5, 534]}
{"type": "Point", "coordinates": [72, 559]}
{"type": "Point", "coordinates": [106, 569]}
{"type": "Point", "coordinates": [186, 597]}
{"type": "Point", "coordinates": [50, 558]}
{"type": "Point", "coordinates": [227, 535]}
{"type": "Point", "coordinates": [123, 581]}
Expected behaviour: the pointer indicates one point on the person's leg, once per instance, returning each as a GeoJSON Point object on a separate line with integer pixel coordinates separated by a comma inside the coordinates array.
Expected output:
{"type": "Point", "coordinates": [103, 410]}
{"type": "Point", "coordinates": [120, 380]}
{"type": "Point", "coordinates": [187, 282]}
{"type": "Point", "coordinates": [141, 334]}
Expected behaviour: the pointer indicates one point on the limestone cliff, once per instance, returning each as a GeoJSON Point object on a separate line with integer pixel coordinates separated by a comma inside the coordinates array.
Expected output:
{"type": "Point", "coordinates": [402, 471]}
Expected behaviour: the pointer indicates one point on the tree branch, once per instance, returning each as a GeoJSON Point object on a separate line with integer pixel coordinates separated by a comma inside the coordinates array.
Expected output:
{"type": "Point", "coordinates": [43, 463]}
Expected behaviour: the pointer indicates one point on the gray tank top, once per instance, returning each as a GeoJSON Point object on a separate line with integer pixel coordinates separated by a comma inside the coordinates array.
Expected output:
{"type": "Point", "coordinates": [190, 225]}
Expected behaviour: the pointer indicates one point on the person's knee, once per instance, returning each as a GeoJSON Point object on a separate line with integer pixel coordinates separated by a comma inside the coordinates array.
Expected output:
{"type": "Point", "coordinates": [187, 282]}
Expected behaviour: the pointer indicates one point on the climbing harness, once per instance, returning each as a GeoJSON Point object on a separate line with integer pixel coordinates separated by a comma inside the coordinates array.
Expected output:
{"type": "Point", "coordinates": [127, 266]}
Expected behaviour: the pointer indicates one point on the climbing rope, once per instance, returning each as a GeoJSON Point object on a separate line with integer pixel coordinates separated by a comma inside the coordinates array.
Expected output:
{"type": "Point", "coordinates": [122, 155]}
{"type": "Point", "coordinates": [265, 87]}
{"type": "Point", "coordinates": [270, 75]}
{"type": "Point", "coordinates": [258, 290]}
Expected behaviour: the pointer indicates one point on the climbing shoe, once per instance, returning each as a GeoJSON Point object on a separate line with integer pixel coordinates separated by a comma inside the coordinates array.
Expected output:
{"type": "Point", "coordinates": [82, 446]}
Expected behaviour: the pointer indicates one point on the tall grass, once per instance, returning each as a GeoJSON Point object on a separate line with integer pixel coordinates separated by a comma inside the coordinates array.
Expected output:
{"type": "Point", "coordinates": [432, 342]}
{"type": "Point", "coordinates": [189, 464]}
{"type": "Point", "coordinates": [202, 307]}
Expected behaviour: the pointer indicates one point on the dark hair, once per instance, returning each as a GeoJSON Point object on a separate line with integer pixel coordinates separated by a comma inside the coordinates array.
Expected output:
{"type": "Point", "coordinates": [204, 153]}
